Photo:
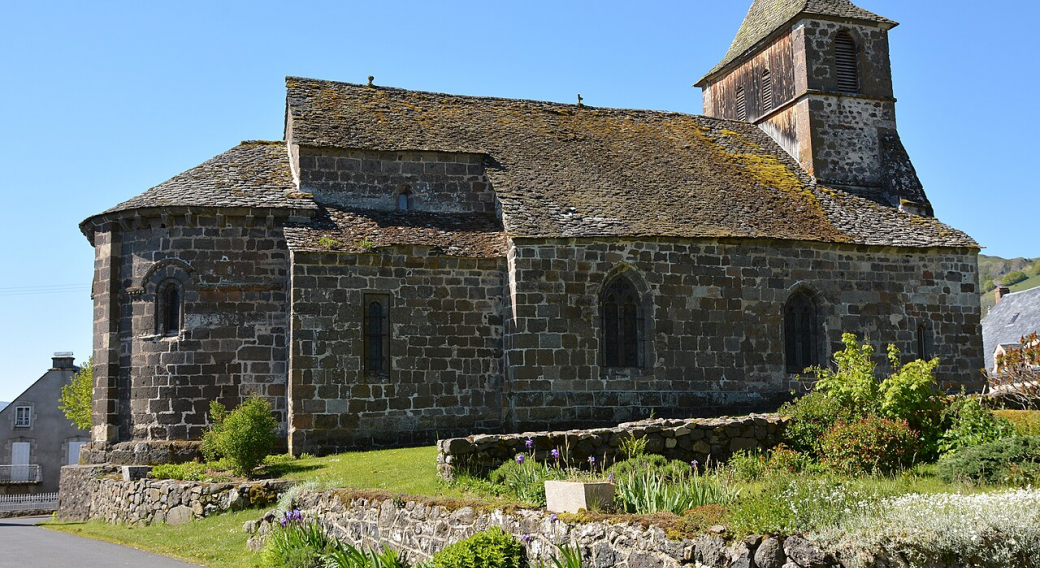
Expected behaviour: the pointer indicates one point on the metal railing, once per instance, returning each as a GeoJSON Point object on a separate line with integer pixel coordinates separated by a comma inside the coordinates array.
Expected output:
{"type": "Point", "coordinates": [21, 474]}
{"type": "Point", "coordinates": [38, 502]}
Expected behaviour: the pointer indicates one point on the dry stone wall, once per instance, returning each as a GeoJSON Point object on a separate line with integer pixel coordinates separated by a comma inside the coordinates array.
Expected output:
{"type": "Point", "coordinates": [97, 493]}
{"type": "Point", "coordinates": [419, 529]}
{"type": "Point", "coordinates": [685, 440]}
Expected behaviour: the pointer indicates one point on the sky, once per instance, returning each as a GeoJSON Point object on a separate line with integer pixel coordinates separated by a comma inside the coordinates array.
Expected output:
{"type": "Point", "coordinates": [102, 100]}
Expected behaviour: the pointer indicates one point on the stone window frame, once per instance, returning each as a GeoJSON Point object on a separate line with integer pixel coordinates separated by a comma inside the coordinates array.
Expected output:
{"type": "Point", "coordinates": [28, 413]}
{"type": "Point", "coordinates": [644, 321]}
{"type": "Point", "coordinates": [790, 331]}
{"type": "Point", "coordinates": [857, 53]}
{"type": "Point", "coordinates": [381, 340]}
{"type": "Point", "coordinates": [164, 308]}
{"type": "Point", "coordinates": [154, 286]}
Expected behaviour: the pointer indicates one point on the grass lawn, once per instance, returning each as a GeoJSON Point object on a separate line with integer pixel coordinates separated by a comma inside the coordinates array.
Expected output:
{"type": "Point", "coordinates": [217, 542]}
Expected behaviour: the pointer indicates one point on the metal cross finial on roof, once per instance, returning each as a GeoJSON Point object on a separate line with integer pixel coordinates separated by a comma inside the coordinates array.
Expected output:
{"type": "Point", "coordinates": [370, 79]}
{"type": "Point", "coordinates": [580, 99]}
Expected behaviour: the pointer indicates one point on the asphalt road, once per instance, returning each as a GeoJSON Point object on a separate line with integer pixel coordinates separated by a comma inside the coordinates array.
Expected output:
{"type": "Point", "coordinates": [23, 545]}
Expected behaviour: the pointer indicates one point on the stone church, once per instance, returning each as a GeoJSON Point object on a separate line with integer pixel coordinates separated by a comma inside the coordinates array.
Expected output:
{"type": "Point", "coordinates": [406, 265]}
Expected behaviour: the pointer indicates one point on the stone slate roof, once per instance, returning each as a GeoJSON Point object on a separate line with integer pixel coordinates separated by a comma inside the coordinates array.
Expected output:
{"type": "Point", "coordinates": [1016, 315]}
{"type": "Point", "coordinates": [453, 234]}
{"type": "Point", "coordinates": [767, 16]}
{"type": "Point", "coordinates": [252, 174]}
{"type": "Point", "coordinates": [568, 171]}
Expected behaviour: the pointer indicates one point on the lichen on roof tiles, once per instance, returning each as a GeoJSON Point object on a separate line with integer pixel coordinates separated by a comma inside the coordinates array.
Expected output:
{"type": "Point", "coordinates": [567, 171]}
{"type": "Point", "coordinates": [359, 230]}
{"type": "Point", "coordinates": [252, 174]}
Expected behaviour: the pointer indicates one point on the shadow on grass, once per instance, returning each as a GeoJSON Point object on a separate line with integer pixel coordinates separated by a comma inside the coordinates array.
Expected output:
{"type": "Point", "coordinates": [275, 471]}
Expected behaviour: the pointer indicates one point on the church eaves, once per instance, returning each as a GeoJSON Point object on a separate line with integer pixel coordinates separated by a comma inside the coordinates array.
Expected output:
{"type": "Point", "coordinates": [768, 16]}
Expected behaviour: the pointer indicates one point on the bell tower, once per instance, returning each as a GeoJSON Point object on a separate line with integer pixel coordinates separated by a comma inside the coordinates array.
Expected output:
{"type": "Point", "coordinates": [816, 76]}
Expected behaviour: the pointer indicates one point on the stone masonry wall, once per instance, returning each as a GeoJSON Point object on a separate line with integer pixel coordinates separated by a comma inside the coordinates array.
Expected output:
{"type": "Point", "coordinates": [445, 373]}
{"type": "Point", "coordinates": [684, 440]}
{"type": "Point", "coordinates": [91, 493]}
{"type": "Point", "coordinates": [437, 181]}
{"type": "Point", "coordinates": [232, 341]}
{"type": "Point", "coordinates": [419, 529]}
{"type": "Point", "coordinates": [714, 313]}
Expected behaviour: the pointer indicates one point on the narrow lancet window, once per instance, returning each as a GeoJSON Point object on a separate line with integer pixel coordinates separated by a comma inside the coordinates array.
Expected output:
{"type": "Point", "coordinates": [377, 334]}
{"type": "Point", "coordinates": [846, 63]}
{"type": "Point", "coordinates": [801, 332]}
{"type": "Point", "coordinates": [168, 316]}
{"type": "Point", "coordinates": [622, 325]}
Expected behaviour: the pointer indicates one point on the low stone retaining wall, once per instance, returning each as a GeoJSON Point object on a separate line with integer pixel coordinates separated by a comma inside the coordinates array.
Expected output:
{"type": "Point", "coordinates": [92, 493]}
{"type": "Point", "coordinates": [420, 529]}
{"type": "Point", "coordinates": [686, 440]}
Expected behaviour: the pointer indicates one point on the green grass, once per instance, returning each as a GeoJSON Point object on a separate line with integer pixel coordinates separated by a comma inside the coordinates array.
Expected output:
{"type": "Point", "coordinates": [412, 471]}
{"type": "Point", "coordinates": [217, 542]}
{"type": "Point", "coordinates": [1026, 422]}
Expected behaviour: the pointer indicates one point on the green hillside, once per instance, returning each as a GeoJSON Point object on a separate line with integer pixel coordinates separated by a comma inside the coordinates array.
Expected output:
{"type": "Point", "coordinates": [993, 269]}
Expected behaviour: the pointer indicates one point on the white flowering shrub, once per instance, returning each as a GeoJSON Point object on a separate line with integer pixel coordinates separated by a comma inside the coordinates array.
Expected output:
{"type": "Point", "coordinates": [983, 531]}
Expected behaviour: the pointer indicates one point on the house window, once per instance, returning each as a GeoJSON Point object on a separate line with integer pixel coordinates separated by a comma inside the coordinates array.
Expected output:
{"type": "Point", "coordinates": [23, 417]}
{"type": "Point", "coordinates": [767, 91]}
{"type": "Point", "coordinates": [801, 332]}
{"type": "Point", "coordinates": [377, 334]}
{"type": "Point", "coordinates": [741, 104]}
{"type": "Point", "coordinates": [168, 312]}
{"type": "Point", "coordinates": [846, 63]}
{"type": "Point", "coordinates": [924, 343]}
{"type": "Point", "coordinates": [622, 324]}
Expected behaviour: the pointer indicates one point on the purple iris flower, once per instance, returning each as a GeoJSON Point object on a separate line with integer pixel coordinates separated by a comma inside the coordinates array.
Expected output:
{"type": "Point", "coordinates": [519, 459]}
{"type": "Point", "coordinates": [529, 443]}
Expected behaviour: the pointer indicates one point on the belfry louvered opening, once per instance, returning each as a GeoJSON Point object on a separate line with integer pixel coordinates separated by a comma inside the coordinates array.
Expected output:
{"type": "Point", "coordinates": [741, 104]}
{"type": "Point", "coordinates": [846, 63]}
{"type": "Point", "coordinates": [767, 91]}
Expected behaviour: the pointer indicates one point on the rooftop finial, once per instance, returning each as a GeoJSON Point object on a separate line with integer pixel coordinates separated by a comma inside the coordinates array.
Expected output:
{"type": "Point", "coordinates": [370, 79]}
{"type": "Point", "coordinates": [579, 100]}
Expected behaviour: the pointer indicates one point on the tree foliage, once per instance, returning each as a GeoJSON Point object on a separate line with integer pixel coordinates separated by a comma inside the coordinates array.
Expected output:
{"type": "Point", "coordinates": [77, 397]}
{"type": "Point", "coordinates": [244, 436]}
{"type": "Point", "coordinates": [1012, 278]}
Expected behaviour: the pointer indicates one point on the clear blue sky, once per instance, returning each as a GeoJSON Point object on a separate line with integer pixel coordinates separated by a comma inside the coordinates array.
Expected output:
{"type": "Point", "coordinates": [102, 101]}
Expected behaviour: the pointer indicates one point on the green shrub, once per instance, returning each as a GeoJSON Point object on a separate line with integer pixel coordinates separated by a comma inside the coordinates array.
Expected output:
{"type": "Point", "coordinates": [972, 424]}
{"type": "Point", "coordinates": [1012, 278]}
{"type": "Point", "coordinates": [870, 445]}
{"type": "Point", "coordinates": [993, 462]}
{"type": "Point", "coordinates": [809, 417]}
{"type": "Point", "coordinates": [747, 465]}
{"type": "Point", "coordinates": [297, 544]}
{"type": "Point", "coordinates": [1025, 422]}
{"type": "Point", "coordinates": [989, 285]}
{"type": "Point", "coordinates": [244, 436]}
{"type": "Point", "coordinates": [646, 492]}
{"type": "Point", "coordinates": [853, 384]}
{"type": "Point", "coordinates": [492, 548]}
{"type": "Point", "coordinates": [656, 463]}
{"type": "Point", "coordinates": [911, 394]}
{"type": "Point", "coordinates": [210, 438]}
{"type": "Point", "coordinates": [525, 478]}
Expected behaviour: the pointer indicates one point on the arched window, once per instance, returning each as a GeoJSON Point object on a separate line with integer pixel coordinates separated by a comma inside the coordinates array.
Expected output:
{"type": "Point", "coordinates": [741, 104]}
{"type": "Point", "coordinates": [767, 91]}
{"type": "Point", "coordinates": [622, 324]}
{"type": "Point", "coordinates": [801, 332]}
{"type": "Point", "coordinates": [846, 63]}
{"type": "Point", "coordinates": [404, 198]}
{"type": "Point", "coordinates": [377, 334]}
{"type": "Point", "coordinates": [168, 313]}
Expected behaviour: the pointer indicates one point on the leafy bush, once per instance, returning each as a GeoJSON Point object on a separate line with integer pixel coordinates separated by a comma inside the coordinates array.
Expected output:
{"type": "Point", "coordinates": [809, 418]}
{"type": "Point", "coordinates": [911, 394]}
{"type": "Point", "coordinates": [870, 445]}
{"type": "Point", "coordinates": [77, 397]}
{"type": "Point", "coordinates": [633, 447]}
{"type": "Point", "coordinates": [1012, 278]}
{"type": "Point", "coordinates": [244, 436]}
{"type": "Point", "coordinates": [992, 462]}
{"type": "Point", "coordinates": [752, 466]}
{"type": "Point", "coordinates": [210, 438]}
{"type": "Point", "coordinates": [525, 478]}
{"type": "Point", "coordinates": [492, 548]}
{"type": "Point", "coordinates": [656, 463]}
{"type": "Point", "coordinates": [971, 425]}
{"type": "Point", "coordinates": [1025, 422]}
{"type": "Point", "coordinates": [853, 385]}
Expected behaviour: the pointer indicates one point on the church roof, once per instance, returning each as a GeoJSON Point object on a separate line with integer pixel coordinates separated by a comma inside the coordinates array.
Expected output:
{"type": "Point", "coordinates": [767, 16]}
{"type": "Point", "coordinates": [357, 230]}
{"type": "Point", "coordinates": [569, 171]}
{"type": "Point", "coordinates": [252, 174]}
{"type": "Point", "coordinates": [1016, 316]}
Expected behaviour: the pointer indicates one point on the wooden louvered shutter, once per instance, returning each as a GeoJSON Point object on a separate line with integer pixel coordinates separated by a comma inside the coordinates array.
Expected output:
{"type": "Point", "coordinates": [741, 104]}
{"type": "Point", "coordinates": [846, 63]}
{"type": "Point", "coordinates": [767, 91]}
